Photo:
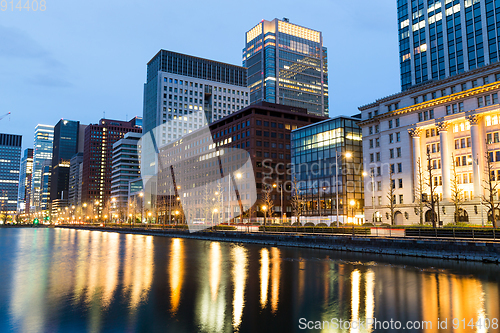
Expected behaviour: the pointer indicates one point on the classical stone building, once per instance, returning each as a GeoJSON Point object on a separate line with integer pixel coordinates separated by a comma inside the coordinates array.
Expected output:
{"type": "Point", "coordinates": [451, 126]}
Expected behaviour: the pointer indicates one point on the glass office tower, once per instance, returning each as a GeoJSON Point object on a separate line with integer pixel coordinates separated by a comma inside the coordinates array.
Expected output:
{"type": "Point", "coordinates": [441, 38]}
{"type": "Point", "coordinates": [10, 160]}
{"type": "Point", "coordinates": [42, 151]}
{"type": "Point", "coordinates": [327, 159]}
{"type": "Point", "coordinates": [287, 64]}
{"type": "Point", "coordinates": [25, 176]}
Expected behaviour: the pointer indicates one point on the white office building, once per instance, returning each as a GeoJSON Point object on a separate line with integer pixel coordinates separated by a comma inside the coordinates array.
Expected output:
{"type": "Point", "coordinates": [451, 126]}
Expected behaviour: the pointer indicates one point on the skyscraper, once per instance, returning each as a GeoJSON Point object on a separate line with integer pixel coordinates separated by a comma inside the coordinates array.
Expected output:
{"type": "Point", "coordinates": [75, 186]}
{"type": "Point", "coordinates": [126, 168]}
{"type": "Point", "coordinates": [42, 151]}
{"type": "Point", "coordinates": [188, 89]}
{"type": "Point", "coordinates": [98, 156]}
{"type": "Point", "coordinates": [287, 64]}
{"type": "Point", "coordinates": [10, 159]}
{"type": "Point", "coordinates": [442, 38]}
{"type": "Point", "coordinates": [25, 176]}
{"type": "Point", "coordinates": [68, 140]}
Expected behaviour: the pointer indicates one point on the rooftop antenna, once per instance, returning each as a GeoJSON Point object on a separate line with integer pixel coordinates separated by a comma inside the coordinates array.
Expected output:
{"type": "Point", "coordinates": [104, 114]}
{"type": "Point", "coordinates": [126, 116]}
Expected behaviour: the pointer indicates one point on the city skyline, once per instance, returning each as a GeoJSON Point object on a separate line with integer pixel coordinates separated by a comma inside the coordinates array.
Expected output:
{"type": "Point", "coordinates": [77, 64]}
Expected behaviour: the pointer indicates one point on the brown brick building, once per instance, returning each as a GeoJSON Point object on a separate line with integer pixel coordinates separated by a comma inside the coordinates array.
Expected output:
{"type": "Point", "coordinates": [262, 132]}
{"type": "Point", "coordinates": [97, 158]}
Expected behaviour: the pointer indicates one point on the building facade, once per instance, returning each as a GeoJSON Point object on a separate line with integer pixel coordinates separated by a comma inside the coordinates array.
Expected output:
{"type": "Point", "coordinates": [45, 172]}
{"type": "Point", "coordinates": [75, 185]}
{"type": "Point", "coordinates": [68, 140]}
{"type": "Point", "coordinates": [10, 159]}
{"type": "Point", "coordinates": [328, 170]}
{"type": "Point", "coordinates": [287, 64]}
{"type": "Point", "coordinates": [98, 156]}
{"type": "Point", "coordinates": [191, 91]}
{"type": "Point", "coordinates": [439, 38]}
{"type": "Point", "coordinates": [25, 176]}
{"type": "Point", "coordinates": [125, 168]}
{"type": "Point", "coordinates": [443, 131]}
{"type": "Point", "coordinates": [247, 151]}
{"type": "Point", "coordinates": [42, 151]}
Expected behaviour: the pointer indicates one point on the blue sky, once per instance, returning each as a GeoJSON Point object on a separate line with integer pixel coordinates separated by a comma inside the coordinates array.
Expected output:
{"type": "Point", "coordinates": [78, 59]}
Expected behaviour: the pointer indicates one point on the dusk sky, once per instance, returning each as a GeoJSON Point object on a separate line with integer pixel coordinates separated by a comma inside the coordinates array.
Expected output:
{"type": "Point", "coordinates": [78, 59]}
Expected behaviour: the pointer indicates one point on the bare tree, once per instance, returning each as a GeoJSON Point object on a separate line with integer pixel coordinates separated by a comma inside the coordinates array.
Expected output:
{"type": "Point", "coordinates": [267, 201]}
{"type": "Point", "coordinates": [457, 194]}
{"type": "Point", "coordinates": [296, 200]}
{"type": "Point", "coordinates": [432, 203]}
{"type": "Point", "coordinates": [419, 190]}
{"type": "Point", "coordinates": [491, 187]}
{"type": "Point", "coordinates": [391, 195]}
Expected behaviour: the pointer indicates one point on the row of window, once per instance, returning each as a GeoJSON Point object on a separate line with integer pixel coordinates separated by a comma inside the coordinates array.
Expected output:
{"type": "Point", "coordinates": [454, 108]}
{"type": "Point", "coordinates": [392, 123]}
{"type": "Point", "coordinates": [426, 115]}
{"type": "Point", "coordinates": [454, 89]}
{"type": "Point", "coordinates": [487, 100]}
{"type": "Point", "coordinates": [433, 147]}
{"type": "Point", "coordinates": [464, 142]}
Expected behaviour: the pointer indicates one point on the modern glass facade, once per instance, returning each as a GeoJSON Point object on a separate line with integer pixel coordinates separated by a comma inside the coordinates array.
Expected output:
{"type": "Point", "coordinates": [66, 135]}
{"type": "Point", "coordinates": [25, 176]}
{"type": "Point", "coordinates": [287, 64]}
{"type": "Point", "coordinates": [441, 38]}
{"type": "Point", "coordinates": [42, 151]}
{"type": "Point", "coordinates": [10, 159]}
{"type": "Point", "coordinates": [327, 159]}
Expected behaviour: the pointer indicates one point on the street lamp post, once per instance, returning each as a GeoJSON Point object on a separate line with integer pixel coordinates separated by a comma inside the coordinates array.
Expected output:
{"type": "Point", "coordinates": [213, 212]}
{"type": "Point", "coordinates": [142, 205]}
{"type": "Point", "coordinates": [280, 186]}
{"type": "Point", "coordinates": [352, 203]}
{"type": "Point", "coordinates": [264, 208]}
{"type": "Point", "coordinates": [347, 155]}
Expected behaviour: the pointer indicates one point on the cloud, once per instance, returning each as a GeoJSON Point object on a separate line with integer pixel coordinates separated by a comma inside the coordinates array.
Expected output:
{"type": "Point", "coordinates": [41, 68]}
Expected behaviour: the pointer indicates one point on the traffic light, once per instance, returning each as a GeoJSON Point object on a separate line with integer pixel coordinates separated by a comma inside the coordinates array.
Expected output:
{"type": "Point", "coordinates": [35, 221]}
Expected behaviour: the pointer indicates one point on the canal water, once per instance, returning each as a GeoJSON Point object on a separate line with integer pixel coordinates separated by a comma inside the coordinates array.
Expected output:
{"type": "Point", "coordinates": [60, 280]}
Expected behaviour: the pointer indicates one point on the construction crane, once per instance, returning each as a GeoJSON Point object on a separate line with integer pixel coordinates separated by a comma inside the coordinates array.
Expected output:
{"type": "Point", "coordinates": [5, 115]}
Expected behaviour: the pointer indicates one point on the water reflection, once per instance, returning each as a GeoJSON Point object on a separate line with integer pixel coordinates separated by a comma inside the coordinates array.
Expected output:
{"type": "Point", "coordinates": [239, 257]}
{"type": "Point", "coordinates": [67, 280]}
{"type": "Point", "coordinates": [264, 276]}
{"type": "Point", "coordinates": [176, 272]}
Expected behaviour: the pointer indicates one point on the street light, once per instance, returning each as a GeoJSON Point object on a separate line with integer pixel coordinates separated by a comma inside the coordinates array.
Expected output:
{"type": "Point", "coordinates": [264, 208]}
{"type": "Point", "coordinates": [352, 203]}
{"type": "Point", "coordinates": [281, 202]}
{"type": "Point", "coordinates": [213, 212]}
{"type": "Point", "coordinates": [142, 206]}
{"type": "Point", "coordinates": [347, 155]}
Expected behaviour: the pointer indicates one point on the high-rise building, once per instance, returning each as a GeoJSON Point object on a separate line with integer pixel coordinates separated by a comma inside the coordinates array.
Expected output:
{"type": "Point", "coordinates": [10, 159]}
{"type": "Point", "coordinates": [98, 157]}
{"type": "Point", "coordinates": [327, 162]}
{"type": "Point", "coordinates": [187, 89]}
{"type": "Point", "coordinates": [45, 174]}
{"type": "Point", "coordinates": [42, 151]}
{"type": "Point", "coordinates": [25, 176]}
{"type": "Point", "coordinates": [125, 168]}
{"type": "Point", "coordinates": [439, 38]}
{"type": "Point", "coordinates": [287, 64]}
{"type": "Point", "coordinates": [68, 140]}
{"type": "Point", "coordinates": [75, 186]}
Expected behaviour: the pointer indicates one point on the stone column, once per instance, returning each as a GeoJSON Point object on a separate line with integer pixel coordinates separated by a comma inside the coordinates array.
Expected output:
{"type": "Point", "coordinates": [477, 154]}
{"type": "Point", "coordinates": [415, 134]}
{"type": "Point", "coordinates": [445, 159]}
